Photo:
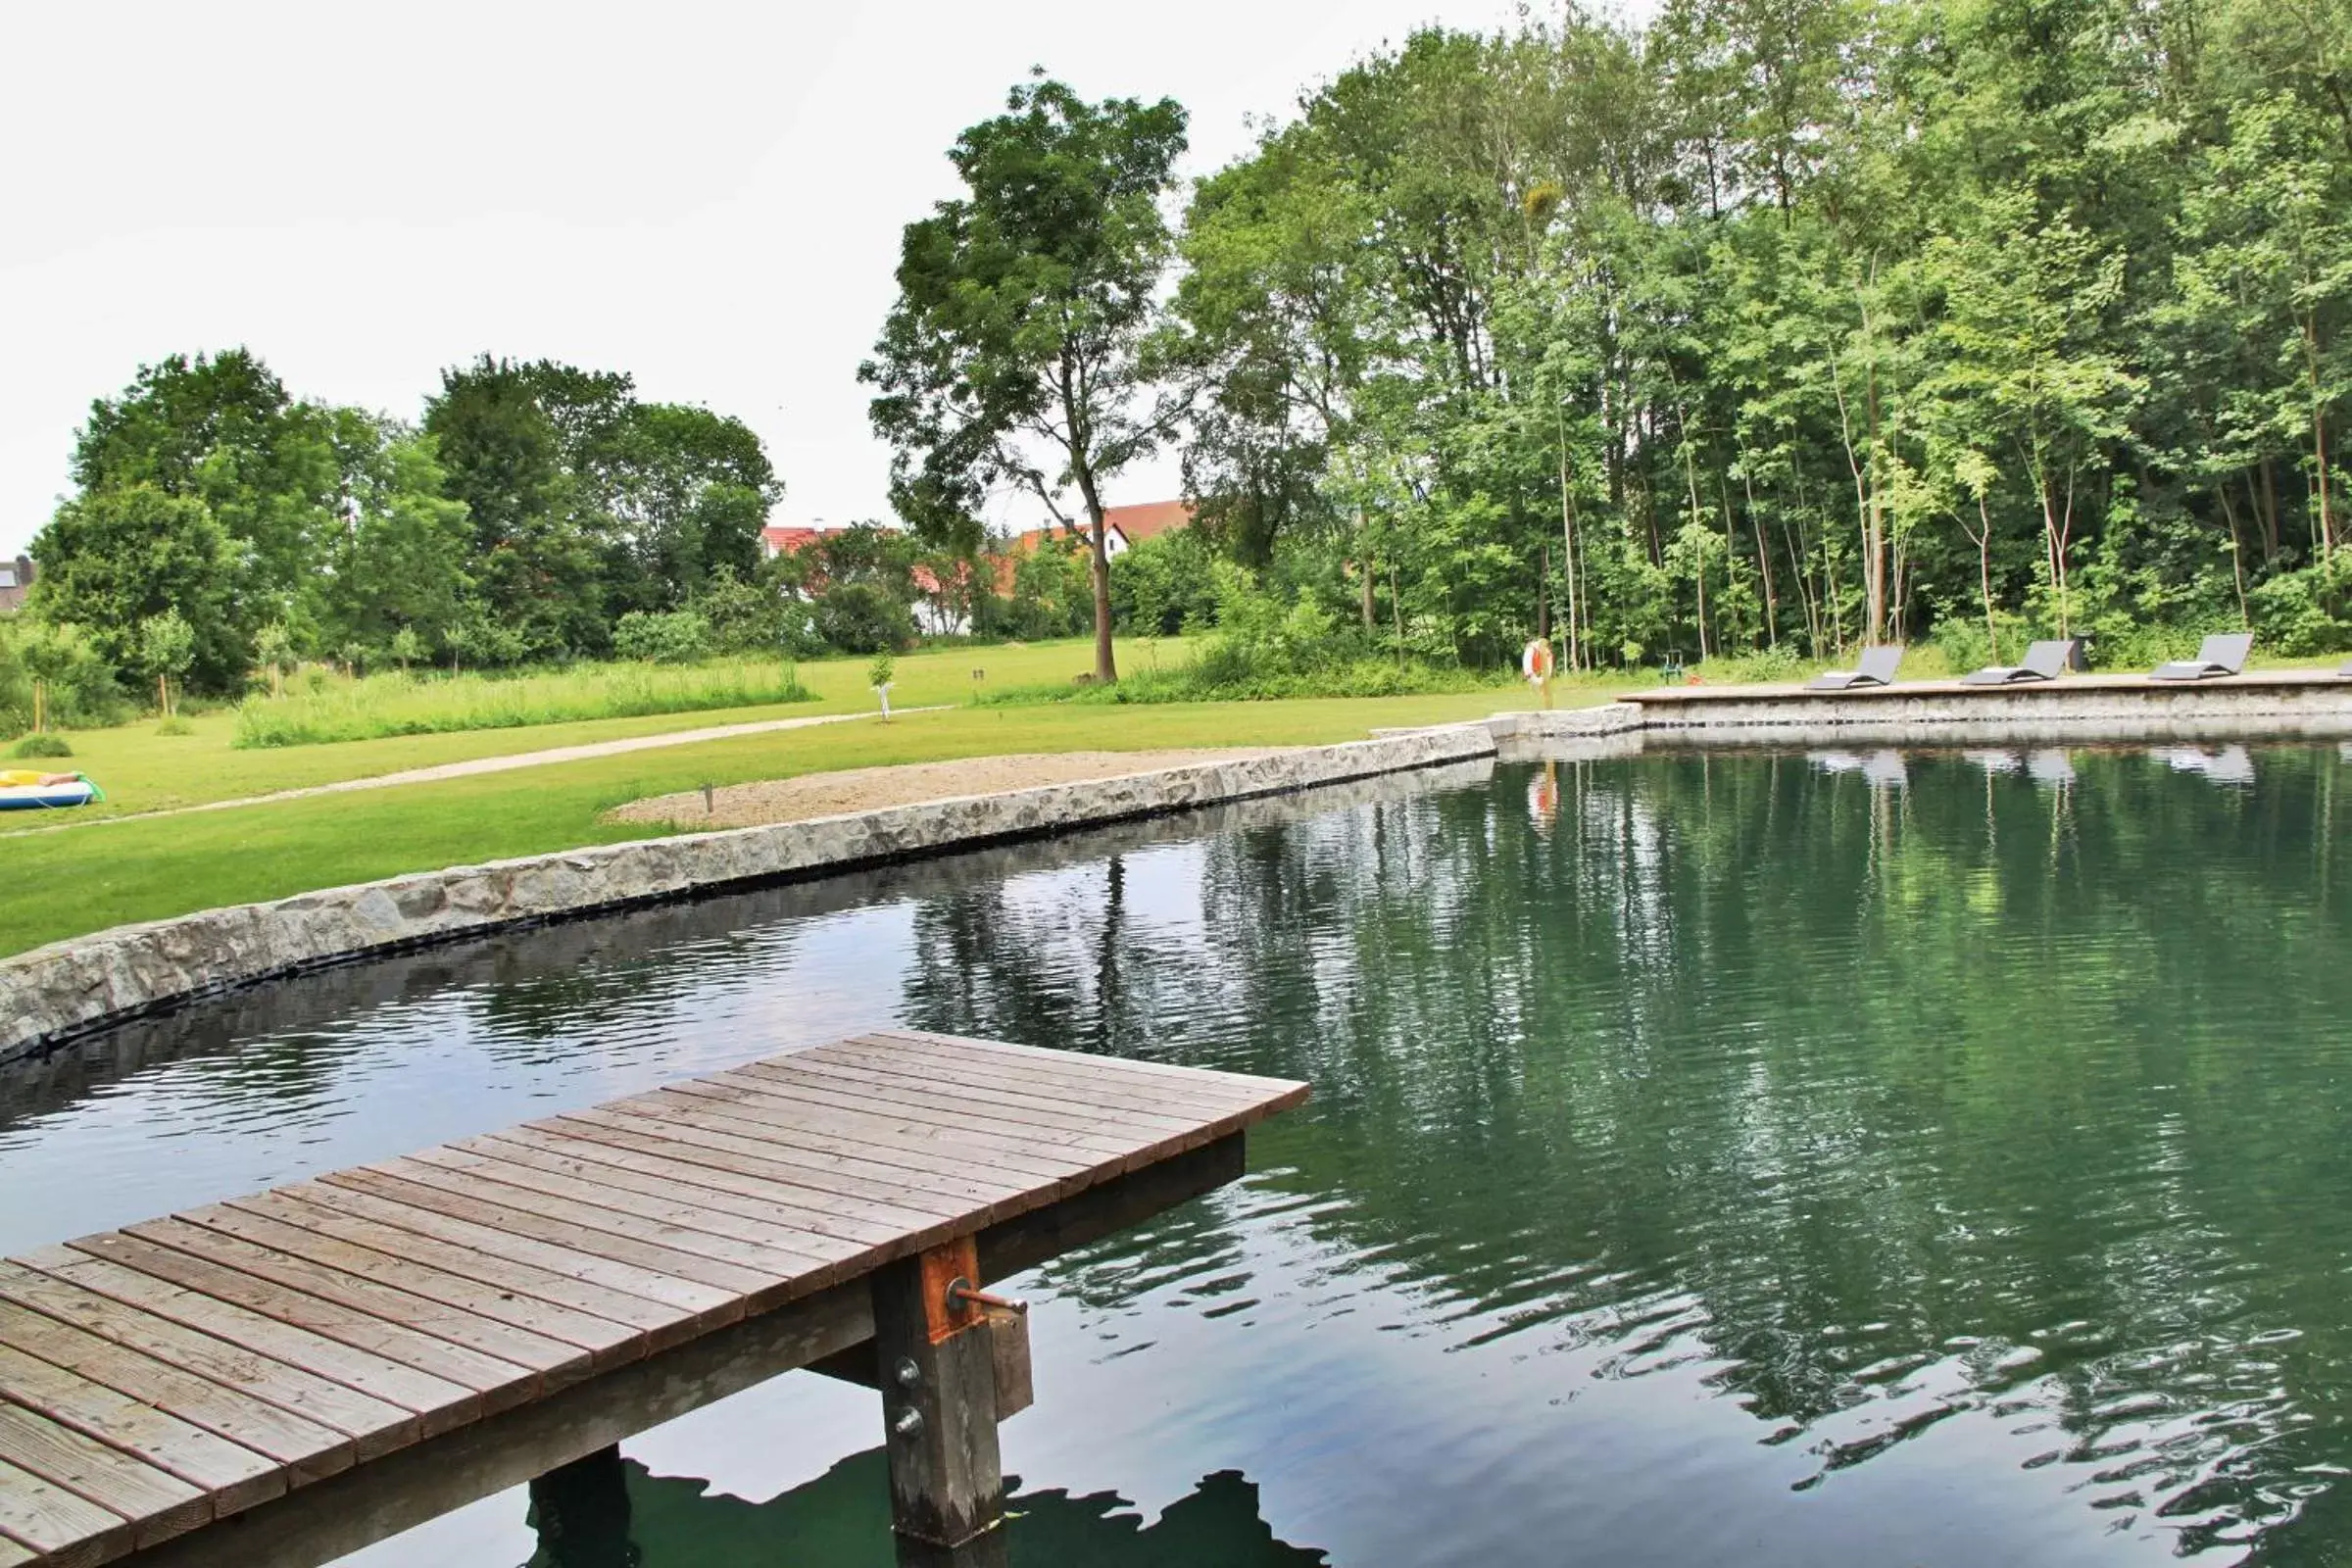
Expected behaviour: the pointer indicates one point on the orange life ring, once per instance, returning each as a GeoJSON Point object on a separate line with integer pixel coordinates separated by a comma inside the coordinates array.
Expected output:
{"type": "Point", "coordinates": [1536, 661]}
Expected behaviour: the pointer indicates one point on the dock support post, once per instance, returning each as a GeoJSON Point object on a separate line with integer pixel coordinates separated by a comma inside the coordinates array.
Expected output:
{"type": "Point", "coordinates": [937, 1367]}
{"type": "Point", "coordinates": [581, 1513]}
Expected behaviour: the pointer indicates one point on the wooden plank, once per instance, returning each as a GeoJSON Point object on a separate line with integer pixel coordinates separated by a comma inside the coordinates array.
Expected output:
{"type": "Point", "coordinates": [850, 1220]}
{"type": "Point", "coordinates": [703, 1124]}
{"type": "Point", "coordinates": [1114, 1128]}
{"type": "Point", "coordinates": [66, 1530]}
{"type": "Point", "coordinates": [1094, 1156]}
{"type": "Point", "coordinates": [589, 1227]}
{"type": "Point", "coordinates": [1056, 1137]}
{"type": "Point", "coordinates": [156, 1503]}
{"type": "Point", "coordinates": [1081, 1087]}
{"type": "Point", "coordinates": [434, 1402]}
{"type": "Point", "coordinates": [824, 1169]}
{"type": "Point", "coordinates": [827, 1212]}
{"type": "Point", "coordinates": [1277, 1093]}
{"type": "Point", "coordinates": [13, 1555]}
{"type": "Point", "coordinates": [678, 1215]}
{"type": "Point", "coordinates": [404, 1206]}
{"type": "Point", "coordinates": [970, 1151]}
{"type": "Point", "coordinates": [1090, 1079]}
{"type": "Point", "coordinates": [234, 1476]}
{"type": "Point", "coordinates": [488, 1376]}
{"type": "Point", "coordinates": [548, 1300]}
{"type": "Point", "coordinates": [373, 1425]}
{"type": "Point", "coordinates": [311, 1447]}
{"type": "Point", "coordinates": [505, 1342]}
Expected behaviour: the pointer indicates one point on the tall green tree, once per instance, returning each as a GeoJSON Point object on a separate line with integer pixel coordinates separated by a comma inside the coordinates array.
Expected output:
{"type": "Point", "coordinates": [1014, 352]}
{"type": "Point", "coordinates": [124, 555]}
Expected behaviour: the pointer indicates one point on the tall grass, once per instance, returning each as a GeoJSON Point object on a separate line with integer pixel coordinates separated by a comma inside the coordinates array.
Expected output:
{"type": "Point", "coordinates": [399, 704]}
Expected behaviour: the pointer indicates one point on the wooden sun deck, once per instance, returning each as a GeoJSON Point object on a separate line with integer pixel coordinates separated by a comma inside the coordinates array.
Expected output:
{"type": "Point", "coordinates": [283, 1377]}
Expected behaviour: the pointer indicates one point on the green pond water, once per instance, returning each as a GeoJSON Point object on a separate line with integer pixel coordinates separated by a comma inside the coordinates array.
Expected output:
{"type": "Point", "coordinates": [1774, 1158]}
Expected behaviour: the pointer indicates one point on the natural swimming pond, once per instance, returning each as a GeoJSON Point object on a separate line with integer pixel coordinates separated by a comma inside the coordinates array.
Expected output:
{"type": "Point", "coordinates": [1847, 1158]}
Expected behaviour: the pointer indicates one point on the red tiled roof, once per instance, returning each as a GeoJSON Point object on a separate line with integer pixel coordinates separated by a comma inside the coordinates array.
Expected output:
{"type": "Point", "coordinates": [788, 541]}
{"type": "Point", "coordinates": [1148, 519]}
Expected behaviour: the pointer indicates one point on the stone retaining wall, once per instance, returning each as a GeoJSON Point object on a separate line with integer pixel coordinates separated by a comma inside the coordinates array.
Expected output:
{"type": "Point", "coordinates": [69, 988]}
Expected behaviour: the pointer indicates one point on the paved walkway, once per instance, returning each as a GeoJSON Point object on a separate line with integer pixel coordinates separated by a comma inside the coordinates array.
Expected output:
{"type": "Point", "coordinates": [498, 764]}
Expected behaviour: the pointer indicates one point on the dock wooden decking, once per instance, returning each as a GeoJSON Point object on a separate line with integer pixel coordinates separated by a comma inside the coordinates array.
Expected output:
{"type": "Point", "coordinates": [284, 1377]}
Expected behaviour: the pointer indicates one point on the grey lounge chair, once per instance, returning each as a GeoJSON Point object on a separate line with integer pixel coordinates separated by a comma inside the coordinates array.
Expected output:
{"type": "Point", "coordinates": [2045, 660]}
{"type": "Point", "coordinates": [2223, 653]}
{"type": "Point", "coordinates": [2347, 670]}
{"type": "Point", "coordinates": [1878, 666]}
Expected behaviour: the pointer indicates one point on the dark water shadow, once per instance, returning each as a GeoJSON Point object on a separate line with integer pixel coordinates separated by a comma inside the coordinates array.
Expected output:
{"type": "Point", "coordinates": [617, 1514]}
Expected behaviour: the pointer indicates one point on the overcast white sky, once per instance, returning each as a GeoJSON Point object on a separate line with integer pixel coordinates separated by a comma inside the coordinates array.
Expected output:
{"type": "Point", "coordinates": [707, 196]}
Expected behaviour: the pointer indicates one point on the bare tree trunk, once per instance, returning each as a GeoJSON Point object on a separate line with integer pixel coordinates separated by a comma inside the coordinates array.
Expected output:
{"type": "Point", "coordinates": [1568, 547]}
{"type": "Point", "coordinates": [2319, 436]}
{"type": "Point", "coordinates": [2237, 554]}
{"type": "Point", "coordinates": [1992, 632]}
{"type": "Point", "coordinates": [1363, 554]}
{"type": "Point", "coordinates": [1396, 609]}
{"type": "Point", "coordinates": [1106, 670]}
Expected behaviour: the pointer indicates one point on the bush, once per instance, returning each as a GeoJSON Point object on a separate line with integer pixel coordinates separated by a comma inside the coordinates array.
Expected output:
{"type": "Point", "coordinates": [672, 637]}
{"type": "Point", "coordinates": [2306, 612]}
{"type": "Point", "coordinates": [858, 617]}
{"type": "Point", "coordinates": [175, 725]}
{"type": "Point", "coordinates": [744, 617]}
{"type": "Point", "coordinates": [43, 745]}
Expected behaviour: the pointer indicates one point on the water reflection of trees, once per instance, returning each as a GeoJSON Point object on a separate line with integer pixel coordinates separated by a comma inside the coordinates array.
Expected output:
{"type": "Point", "coordinates": [2033, 1078]}
{"type": "Point", "coordinates": [842, 1519]}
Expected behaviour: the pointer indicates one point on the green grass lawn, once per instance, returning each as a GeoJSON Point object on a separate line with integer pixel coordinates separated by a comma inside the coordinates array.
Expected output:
{"type": "Point", "coordinates": [96, 874]}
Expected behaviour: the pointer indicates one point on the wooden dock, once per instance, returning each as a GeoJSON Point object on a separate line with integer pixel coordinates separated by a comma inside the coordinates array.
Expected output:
{"type": "Point", "coordinates": [284, 1378]}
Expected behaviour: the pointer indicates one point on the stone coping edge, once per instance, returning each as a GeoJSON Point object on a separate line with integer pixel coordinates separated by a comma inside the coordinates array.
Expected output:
{"type": "Point", "coordinates": [54, 994]}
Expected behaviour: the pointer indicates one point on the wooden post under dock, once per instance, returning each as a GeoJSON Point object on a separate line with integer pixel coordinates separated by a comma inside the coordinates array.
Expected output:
{"type": "Point", "coordinates": [287, 1378]}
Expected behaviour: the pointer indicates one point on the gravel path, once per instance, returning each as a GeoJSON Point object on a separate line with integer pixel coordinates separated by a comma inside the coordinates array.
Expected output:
{"type": "Point", "coordinates": [864, 789]}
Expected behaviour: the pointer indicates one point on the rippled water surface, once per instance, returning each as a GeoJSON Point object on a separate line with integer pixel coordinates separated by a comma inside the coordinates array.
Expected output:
{"type": "Point", "coordinates": [1769, 1158]}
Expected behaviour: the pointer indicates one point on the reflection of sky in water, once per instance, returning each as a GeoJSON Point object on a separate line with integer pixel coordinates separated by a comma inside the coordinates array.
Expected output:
{"type": "Point", "coordinates": [1748, 1160]}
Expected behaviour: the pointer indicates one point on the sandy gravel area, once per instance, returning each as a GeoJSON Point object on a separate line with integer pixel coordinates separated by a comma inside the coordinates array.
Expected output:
{"type": "Point", "coordinates": [864, 789]}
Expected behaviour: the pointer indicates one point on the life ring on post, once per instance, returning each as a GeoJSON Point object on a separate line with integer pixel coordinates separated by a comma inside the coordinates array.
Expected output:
{"type": "Point", "coordinates": [1536, 661]}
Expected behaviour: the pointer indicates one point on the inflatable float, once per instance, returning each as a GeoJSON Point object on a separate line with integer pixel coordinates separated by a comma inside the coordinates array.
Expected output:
{"type": "Point", "coordinates": [36, 792]}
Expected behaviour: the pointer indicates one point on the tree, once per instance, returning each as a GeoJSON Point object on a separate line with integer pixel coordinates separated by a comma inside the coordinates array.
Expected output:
{"type": "Point", "coordinates": [115, 558]}
{"type": "Point", "coordinates": [533, 555]}
{"type": "Point", "coordinates": [221, 429]}
{"type": "Point", "coordinates": [1012, 355]}
{"type": "Point", "coordinates": [399, 560]}
{"type": "Point", "coordinates": [167, 647]}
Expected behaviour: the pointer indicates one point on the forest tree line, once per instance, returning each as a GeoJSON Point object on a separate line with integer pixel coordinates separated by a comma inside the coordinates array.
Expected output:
{"type": "Point", "coordinates": [1774, 325]}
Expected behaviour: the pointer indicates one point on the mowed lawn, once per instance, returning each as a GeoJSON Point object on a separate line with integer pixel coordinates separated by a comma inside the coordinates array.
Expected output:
{"type": "Point", "coordinates": [143, 771]}
{"type": "Point", "coordinates": [96, 874]}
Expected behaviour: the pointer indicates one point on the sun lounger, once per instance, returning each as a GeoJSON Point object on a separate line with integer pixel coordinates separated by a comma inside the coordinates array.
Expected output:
{"type": "Point", "coordinates": [2045, 660]}
{"type": "Point", "coordinates": [2218, 655]}
{"type": "Point", "coordinates": [2347, 670]}
{"type": "Point", "coordinates": [1878, 666]}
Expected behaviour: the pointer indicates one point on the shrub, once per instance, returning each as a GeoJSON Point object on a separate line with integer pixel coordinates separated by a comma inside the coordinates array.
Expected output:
{"type": "Point", "coordinates": [43, 745]}
{"type": "Point", "coordinates": [858, 617]}
{"type": "Point", "coordinates": [743, 617]}
{"type": "Point", "coordinates": [670, 637]}
{"type": "Point", "coordinates": [173, 724]}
